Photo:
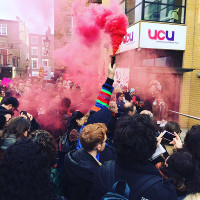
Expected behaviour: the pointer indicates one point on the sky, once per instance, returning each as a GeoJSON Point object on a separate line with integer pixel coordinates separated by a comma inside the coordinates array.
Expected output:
{"type": "Point", "coordinates": [37, 14]}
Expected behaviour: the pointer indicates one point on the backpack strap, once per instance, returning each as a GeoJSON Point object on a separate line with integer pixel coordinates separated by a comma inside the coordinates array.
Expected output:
{"type": "Point", "coordinates": [144, 183]}
{"type": "Point", "coordinates": [126, 188]}
{"type": "Point", "coordinates": [110, 174]}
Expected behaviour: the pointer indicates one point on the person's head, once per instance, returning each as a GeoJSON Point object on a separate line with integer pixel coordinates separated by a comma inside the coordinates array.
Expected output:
{"type": "Point", "coordinates": [47, 145]}
{"type": "Point", "coordinates": [132, 92]}
{"type": "Point", "coordinates": [129, 109]}
{"type": "Point", "coordinates": [192, 142]}
{"type": "Point", "coordinates": [135, 139]}
{"type": "Point", "coordinates": [113, 107]}
{"type": "Point", "coordinates": [10, 103]}
{"type": "Point", "coordinates": [3, 93]}
{"type": "Point", "coordinates": [147, 112]}
{"type": "Point", "coordinates": [120, 96]}
{"type": "Point", "coordinates": [181, 172]}
{"type": "Point", "coordinates": [18, 126]}
{"type": "Point", "coordinates": [93, 137]}
{"type": "Point", "coordinates": [24, 173]}
{"type": "Point", "coordinates": [65, 103]}
{"type": "Point", "coordinates": [173, 127]}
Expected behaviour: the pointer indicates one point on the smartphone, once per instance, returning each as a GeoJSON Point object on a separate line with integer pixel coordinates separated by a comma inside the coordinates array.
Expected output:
{"type": "Point", "coordinates": [168, 136]}
{"type": "Point", "coordinates": [24, 113]}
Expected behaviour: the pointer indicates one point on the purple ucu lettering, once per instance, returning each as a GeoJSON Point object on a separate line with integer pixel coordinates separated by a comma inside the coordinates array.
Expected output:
{"type": "Point", "coordinates": [161, 35]}
{"type": "Point", "coordinates": [128, 38]}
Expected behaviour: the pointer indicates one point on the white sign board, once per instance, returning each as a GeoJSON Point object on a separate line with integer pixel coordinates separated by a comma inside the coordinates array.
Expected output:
{"type": "Point", "coordinates": [121, 77]}
{"type": "Point", "coordinates": [162, 36]}
{"type": "Point", "coordinates": [47, 73]}
{"type": "Point", "coordinates": [131, 40]}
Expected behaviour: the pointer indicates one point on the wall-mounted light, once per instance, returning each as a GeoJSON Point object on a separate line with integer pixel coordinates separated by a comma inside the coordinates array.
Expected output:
{"type": "Point", "coordinates": [198, 75]}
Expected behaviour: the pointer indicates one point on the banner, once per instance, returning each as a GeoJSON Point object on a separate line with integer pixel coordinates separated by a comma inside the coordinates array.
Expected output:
{"type": "Point", "coordinates": [121, 77]}
{"type": "Point", "coordinates": [47, 73]}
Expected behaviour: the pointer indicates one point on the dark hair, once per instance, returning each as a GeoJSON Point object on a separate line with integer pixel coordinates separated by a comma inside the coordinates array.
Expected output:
{"type": "Point", "coordinates": [24, 173]}
{"type": "Point", "coordinates": [118, 94]}
{"type": "Point", "coordinates": [182, 172]}
{"type": "Point", "coordinates": [126, 109]}
{"type": "Point", "coordinates": [11, 100]}
{"type": "Point", "coordinates": [16, 126]}
{"type": "Point", "coordinates": [65, 103]}
{"type": "Point", "coordinates": [192, 142]}
{"type": "Point", "coordinates": [47, 145]}
{"type": "Point", "coordinates": [172, 127]}
{"type": "Point", "coordinates": [135, 139]}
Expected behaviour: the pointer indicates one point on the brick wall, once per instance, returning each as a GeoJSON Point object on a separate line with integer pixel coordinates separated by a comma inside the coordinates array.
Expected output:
{"type": "Point", "coordinates": [190, 89]}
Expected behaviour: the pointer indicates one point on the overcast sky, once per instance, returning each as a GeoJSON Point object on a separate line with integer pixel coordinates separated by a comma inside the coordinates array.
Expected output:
{"type": "Point", "coordinates": [37, 14]}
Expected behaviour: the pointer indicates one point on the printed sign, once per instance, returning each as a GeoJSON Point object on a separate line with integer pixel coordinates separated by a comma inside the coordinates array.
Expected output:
{"type": "Point", "coordinates": [47, 73]}
{"type": "Point", "coordinates": [131, 39]}
{"type": "Point", "coordinates": [121, 77]}
{"type": "Point", "coordinates": [41, 72]}
{"type": "Point", "coordinates": [162, 36]}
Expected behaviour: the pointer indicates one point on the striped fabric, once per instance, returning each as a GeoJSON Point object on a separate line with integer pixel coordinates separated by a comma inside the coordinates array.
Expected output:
{"type": "Point", "coordinates": [103, 97]}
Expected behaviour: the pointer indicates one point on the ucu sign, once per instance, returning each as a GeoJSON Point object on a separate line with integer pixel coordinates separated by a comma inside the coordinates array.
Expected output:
{"type": "Point", "coordinates": [161, 35]}
{"type": "Point", "coordinates": [128, 38]}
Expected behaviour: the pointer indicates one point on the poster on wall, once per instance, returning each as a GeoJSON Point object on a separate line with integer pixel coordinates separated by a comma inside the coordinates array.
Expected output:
{"type": "Point", "coordinates": [162, 36]}
{"type": "Point", "coordinates": [121, 77]}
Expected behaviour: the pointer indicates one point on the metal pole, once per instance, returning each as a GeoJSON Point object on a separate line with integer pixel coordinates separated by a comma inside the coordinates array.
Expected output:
{"type": "Point", "coordinates": [185, 115]}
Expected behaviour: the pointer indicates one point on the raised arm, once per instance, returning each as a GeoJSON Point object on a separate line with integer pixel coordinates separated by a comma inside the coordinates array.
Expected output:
{"type": "Point", "coordinates": [104, 96]}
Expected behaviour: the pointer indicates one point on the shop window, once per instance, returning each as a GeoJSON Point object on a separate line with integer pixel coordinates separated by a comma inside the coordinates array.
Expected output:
{"type": "Point", "coordinates": [3, 29]}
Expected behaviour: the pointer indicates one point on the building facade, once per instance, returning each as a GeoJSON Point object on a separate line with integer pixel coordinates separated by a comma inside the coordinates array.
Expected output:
{"type": "Point", "coordinates": [39, 55]}
{"type": "Point", "coordinates": [166, 33]}
{"type": "Point", "coordinates": [14, 42]}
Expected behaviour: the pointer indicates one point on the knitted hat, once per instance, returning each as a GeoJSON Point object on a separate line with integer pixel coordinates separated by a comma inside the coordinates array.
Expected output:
{"type": "Point", "coordinates": [131, 90]}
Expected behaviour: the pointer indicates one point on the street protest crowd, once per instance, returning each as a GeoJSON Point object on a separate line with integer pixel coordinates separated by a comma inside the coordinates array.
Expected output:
{"type": "Point", "coordinates": [119, 147]}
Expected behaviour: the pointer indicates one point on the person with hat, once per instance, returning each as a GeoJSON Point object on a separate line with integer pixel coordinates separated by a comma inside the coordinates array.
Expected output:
{"type": "Point", "coordinates": [10, 103]}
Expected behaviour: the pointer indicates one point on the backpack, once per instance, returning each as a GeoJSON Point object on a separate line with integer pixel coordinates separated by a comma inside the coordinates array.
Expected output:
{"type": "Point", "coordinates": [142, 185]}
{"type": "Point", "coordinates": [67, 140]}
{"type": "Point", "coordinates": [114, 195]}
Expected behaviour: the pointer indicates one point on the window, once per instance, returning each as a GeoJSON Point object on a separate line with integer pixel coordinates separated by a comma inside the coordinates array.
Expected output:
{"type": "Point", "coordinates": [34, 63]}
{"type": "Point", "coordinates": [45, 62]}
{"type": "Point", "coordinates": [3, 29]}
{"type": "Point", "coordinates": [133, 9]}
{"type": "Point", "coordinates": [171, 11]}
{"type": "Point", "coordinates": [34, 51]}
{"type": "Point", "coordinates": [34, 40]}
{"type": "Point", "coordinates": [44, 52]}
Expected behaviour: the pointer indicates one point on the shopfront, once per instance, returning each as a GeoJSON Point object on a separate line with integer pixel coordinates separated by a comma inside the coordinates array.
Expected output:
{"type": "Point", "coordinates": [153, 51]}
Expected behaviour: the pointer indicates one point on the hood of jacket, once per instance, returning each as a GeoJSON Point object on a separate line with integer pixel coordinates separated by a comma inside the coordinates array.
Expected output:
{"type": "Point", "coordinates": [10, 140]}
{"type": "Point", "coordinates": [79, 166]}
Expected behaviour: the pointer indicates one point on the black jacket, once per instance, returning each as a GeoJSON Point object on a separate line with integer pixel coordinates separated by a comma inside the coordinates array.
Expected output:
{"type": "Point", "coordinates": [79, 170]}
{"type": "Point", "coordinates": [132, 173]}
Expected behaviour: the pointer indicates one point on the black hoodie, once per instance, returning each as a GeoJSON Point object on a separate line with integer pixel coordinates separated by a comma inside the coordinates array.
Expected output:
{"type": "Point", "coordinates": [79, 169]}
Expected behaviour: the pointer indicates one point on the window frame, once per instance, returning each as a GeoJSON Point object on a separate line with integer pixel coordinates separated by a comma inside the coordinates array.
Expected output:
{"type": "Point", "coordinates": [34, 59]}
{"type": "Point", "coordinates": [157, 3]}
{"type": "Point", "coordinates": [6, 28]}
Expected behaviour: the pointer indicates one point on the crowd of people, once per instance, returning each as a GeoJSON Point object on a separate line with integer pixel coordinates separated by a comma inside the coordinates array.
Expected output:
{"type": "Point", "coordinates": [117, 149]}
